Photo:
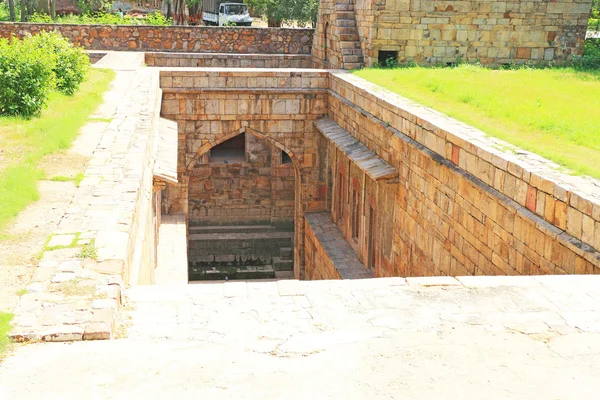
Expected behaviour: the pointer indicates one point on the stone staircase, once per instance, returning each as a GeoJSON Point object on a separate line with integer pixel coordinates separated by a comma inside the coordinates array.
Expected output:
{"type": "Point", "coordinates": [284, 264]}
{"type": "Point", "coordinates": [349, 40]}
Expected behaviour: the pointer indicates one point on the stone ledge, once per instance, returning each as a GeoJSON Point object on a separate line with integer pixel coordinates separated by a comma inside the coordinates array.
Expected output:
{"type": "Point", "coordinates": [336, 248]}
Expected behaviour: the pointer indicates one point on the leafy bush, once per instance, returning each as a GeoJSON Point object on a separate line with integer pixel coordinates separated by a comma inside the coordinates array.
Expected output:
{"type": "Point", "coordinates": [40, 18]}
{"type": "Point", "coordinates": [71, 65]}
{"type": "Point", "coordinates": [591, 55]}
{"type": "Point", "coordinates": [26, 78]}
{"type": "Point", "coordinates": [103, 18]}
{"type": "Point", "coordinates": [4, 12]}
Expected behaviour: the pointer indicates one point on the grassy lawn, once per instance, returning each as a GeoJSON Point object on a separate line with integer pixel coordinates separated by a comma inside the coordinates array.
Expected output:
{"type": "Point", "coordinates": [4, 329]}
{"type": "Point", "coordinates": [24, 142]}
{"type": "Point", "coordinates": [552, 112]}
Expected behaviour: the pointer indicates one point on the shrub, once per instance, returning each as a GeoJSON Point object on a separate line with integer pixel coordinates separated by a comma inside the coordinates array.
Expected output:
{"type": "Point", "coordinates": [71, 65]}
{"type": "Point", "coordinates": [26, 78]}
{"type": "Point", "coordinates": [40, 18]}
{"type": "Point", "coordinates": [591, 55]}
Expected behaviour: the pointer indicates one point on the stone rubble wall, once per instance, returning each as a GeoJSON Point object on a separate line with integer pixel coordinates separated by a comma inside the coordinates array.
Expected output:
{"type": "Point", "coordinates": [200, 39]}
{"type": "Point", "coordinates": [465, 205]}
{"type": "Point", "coordinates": [225, 60]}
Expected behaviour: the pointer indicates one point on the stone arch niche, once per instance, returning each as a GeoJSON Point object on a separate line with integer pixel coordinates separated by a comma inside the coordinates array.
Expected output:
{"type": "Point", "coordinates": [242, 205]}
{"type": "Point", "coordinates": [264, 106]}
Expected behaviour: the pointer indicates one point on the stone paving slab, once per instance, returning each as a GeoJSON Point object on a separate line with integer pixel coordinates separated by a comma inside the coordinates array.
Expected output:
{"type": "Point", "coordinates": [71, 298]}
{"type": "Point", "coordinates": [345, 339]}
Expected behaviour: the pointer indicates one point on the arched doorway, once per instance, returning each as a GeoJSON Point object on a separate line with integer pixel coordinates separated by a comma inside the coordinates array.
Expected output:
{"type": "Point", "coordinates": [243, 200]}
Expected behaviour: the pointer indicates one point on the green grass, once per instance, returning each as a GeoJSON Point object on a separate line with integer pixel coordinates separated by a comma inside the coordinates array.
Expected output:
{"type": "Point", "coordinates": [26, 141]}
{"type": "Point", "coordinates": [76, 179]}
{"type": "Point", "coordinates": [552, 112]}
{"type": "Point", "coordinates": [5, 327]}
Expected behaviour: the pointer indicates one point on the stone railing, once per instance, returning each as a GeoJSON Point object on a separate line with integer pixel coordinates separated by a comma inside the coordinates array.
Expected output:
{"type": "Point", "coordinates": [200, 39]}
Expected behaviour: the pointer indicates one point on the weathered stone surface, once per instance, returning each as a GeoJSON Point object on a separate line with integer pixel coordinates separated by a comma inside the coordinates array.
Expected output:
{"type": "Point", "coordinates": [97, 331]}
{"type": "Point", "coordinates": [107, 267]}
{"type": "Point", "coordinates": [62, 333]}
{"type": "Point", "coordinates": [491, 32]}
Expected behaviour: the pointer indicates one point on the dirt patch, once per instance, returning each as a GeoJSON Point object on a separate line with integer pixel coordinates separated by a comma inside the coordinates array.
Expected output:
{"type": "Point", "coordinates": [67, 164]}
{"type": "Point", "coordinates": [27, 236]}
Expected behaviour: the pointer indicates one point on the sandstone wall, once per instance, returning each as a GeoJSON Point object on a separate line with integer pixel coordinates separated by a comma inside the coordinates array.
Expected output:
{"type": "Point", "coordinates": [461, 207]}
{"type": "Point", "coordinates": [228, 60]}
{"type": "Point", "coordinates": [428, 31]}
{"type": "Point", "coordinates": [317, 263]}
{"type": "Point", "coordinates": [278, 107]}
{"type": "Point", "coordinates": [175, 38]}
{"type": "Point", "coordinates": [259, 190]}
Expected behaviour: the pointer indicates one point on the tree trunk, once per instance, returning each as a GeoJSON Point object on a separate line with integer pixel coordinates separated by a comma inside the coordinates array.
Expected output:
{"type": "Point", "coordinates": [180, 12]}
{"type": "Point", "coordinates": [23, 11]}
{"type": "Point", "coordinates": [273, 23]}
{"type": "Point", "coordinates": [53, 9]}
{"type": "Point", "coordinates": [11, 9]}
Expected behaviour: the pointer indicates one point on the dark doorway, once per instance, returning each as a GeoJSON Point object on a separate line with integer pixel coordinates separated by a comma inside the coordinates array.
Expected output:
{"type": "Point", "coordinates": [388, 58]}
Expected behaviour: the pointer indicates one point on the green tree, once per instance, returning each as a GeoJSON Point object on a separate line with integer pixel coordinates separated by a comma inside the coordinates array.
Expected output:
{"type": "Point", "coordinates": [285, 11]}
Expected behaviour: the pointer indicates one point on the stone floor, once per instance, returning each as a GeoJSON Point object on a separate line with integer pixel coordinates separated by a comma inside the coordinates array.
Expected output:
{"type": "Point", "coordinates": [172, 251]}
{"type": "Point", "coordinates": [420, 338]}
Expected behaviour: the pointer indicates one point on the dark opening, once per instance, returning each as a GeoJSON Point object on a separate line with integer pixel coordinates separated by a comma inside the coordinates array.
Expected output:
{"type": "Point", "coordinates": [340, 204]}
{"type": "Point", "coordinates": [230, 151]}
{"type": "Point", "coordinates": [388, 58]}
{"type": "Point", "coordinates": [371, 262]}
{"type": "Point", "coordinates": [285, 159]}
{"type": "Point", "coordinates": [326, 41]}
{"type": "Point", "coordinates": [355, 214]}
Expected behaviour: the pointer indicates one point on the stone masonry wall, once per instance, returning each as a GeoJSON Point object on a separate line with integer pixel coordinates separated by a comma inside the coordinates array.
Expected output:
{"type": "Point", "coordinates": [277, 106]}
{"type": "Point", "coordinates": [463, 207]}
{"type": "Point", "coordinates": [489, 31]}
{"type": "Point", "coordinates": [228, 60]}
{"type": "Point", "coordinates": [259, 190]}
{"type": "Point", "coordinates": [200, 39]}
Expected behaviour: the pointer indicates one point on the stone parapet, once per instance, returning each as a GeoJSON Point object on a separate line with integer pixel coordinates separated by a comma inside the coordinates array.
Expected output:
{"type": "Point", "coordinates": [199, 39]}
{"type": "Point", "coordinates": [226, 60]}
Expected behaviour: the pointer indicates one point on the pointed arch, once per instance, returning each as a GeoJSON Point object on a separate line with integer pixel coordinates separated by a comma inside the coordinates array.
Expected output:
{"type": "Point", "coordinates": [207, 146]}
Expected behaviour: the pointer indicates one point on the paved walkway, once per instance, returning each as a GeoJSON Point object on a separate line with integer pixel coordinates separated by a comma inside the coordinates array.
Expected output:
{"type": "Point", "coordinates": [537, 338]}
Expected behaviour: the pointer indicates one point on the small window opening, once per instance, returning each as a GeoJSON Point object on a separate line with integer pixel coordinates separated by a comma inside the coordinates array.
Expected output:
{"type": "Point", "coordinates": [355, 214]}
{"type": "Point", "coordinates": [340, 195]}
{"type": "Point", "coordinates": [230, 151]}
{"type": "Point", "coordinates": [285, 159]}
{"type": "Point", "coordinates": [388, 58]}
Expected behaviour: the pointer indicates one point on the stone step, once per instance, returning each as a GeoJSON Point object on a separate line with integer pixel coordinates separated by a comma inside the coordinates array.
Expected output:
{"type": "Point", "coordinates": [284, 274]}
{"type": "Point", "coordinates": [282, 265]}
{"type": "Point", "coordinates": [352, 52]}
{"type": "Point", "coordinates": [345, 30]}
{"type": "Point", "coordinates": [344, 7]}
{"type": "Point", "coordinates": [353, 65]}
{"type": "Point", "coordinates": [346, 22]}
{"type": "Point", "coordinates": [349, 45]}
{"type": "Point", "coordinates": [353, 59]}
{"type": "Point", "coordinates": [286, 253]}
{"type": "Point", "coordinates": [230, 229]}
{"type": "Point", "coordinates": [348, 37]}
{"type": "Point", "coordinates": [345, 15]}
